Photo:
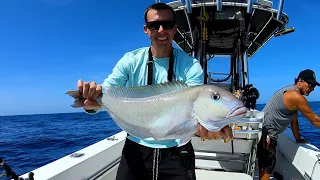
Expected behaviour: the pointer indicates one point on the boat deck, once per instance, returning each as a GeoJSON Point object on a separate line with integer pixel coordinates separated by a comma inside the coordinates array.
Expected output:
{"type": "Point", "coordinates": [204, 174]}
{"type": "Point", "coordinates": [100, 161]}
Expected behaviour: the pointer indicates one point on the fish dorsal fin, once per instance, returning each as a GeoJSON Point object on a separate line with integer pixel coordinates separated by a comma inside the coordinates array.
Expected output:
{"type": "Point", "coordinates": [145, 91]}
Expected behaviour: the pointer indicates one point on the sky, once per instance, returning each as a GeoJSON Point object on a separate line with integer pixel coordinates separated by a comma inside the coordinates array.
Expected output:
{"type": "Point", "coordinates": [47, 45]}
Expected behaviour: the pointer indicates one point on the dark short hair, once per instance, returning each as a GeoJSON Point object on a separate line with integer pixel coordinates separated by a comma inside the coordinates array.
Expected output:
{"type": "Point", "coordinates": [159, 6]}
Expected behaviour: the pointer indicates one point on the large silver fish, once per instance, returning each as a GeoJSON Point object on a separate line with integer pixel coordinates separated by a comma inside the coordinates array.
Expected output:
{"type": "Point", "coordinates": [169, 110]}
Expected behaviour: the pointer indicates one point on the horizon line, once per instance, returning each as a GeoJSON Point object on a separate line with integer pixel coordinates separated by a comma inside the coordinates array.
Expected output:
{"type": "Point", "coordinates": [103, 110]}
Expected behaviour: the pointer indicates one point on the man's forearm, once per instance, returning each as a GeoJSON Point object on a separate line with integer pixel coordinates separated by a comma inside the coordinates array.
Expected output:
{"type": "Point", "coordinates": [295, 130]}
{"type": "Point", "coordinates": [317, 124]}
{"type": "Point", "coordinates": [316, 121]}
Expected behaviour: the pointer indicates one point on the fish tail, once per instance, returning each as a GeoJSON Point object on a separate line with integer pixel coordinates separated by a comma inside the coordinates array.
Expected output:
{"type": "Point", "coordinates": [79, 100]}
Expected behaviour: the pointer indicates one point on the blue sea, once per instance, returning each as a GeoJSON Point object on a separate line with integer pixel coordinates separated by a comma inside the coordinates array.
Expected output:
{"type": "Point", "coordinates": [31, 141]}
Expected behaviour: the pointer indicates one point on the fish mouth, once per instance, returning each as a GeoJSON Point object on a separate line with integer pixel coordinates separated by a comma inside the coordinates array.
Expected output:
{"type": "Point", "coordinates": [237, 111]}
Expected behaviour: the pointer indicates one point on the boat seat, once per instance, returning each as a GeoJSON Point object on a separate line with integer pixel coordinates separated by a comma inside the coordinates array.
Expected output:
{"type": "Point", "coordinates": [205, 174]}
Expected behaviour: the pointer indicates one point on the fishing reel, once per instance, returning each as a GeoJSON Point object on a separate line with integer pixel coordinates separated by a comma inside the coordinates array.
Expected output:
{"type": "Point", "coordinates": [249, 96]}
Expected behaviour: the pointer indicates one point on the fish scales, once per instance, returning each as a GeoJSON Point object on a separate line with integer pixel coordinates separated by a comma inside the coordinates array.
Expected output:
{"type": "Point", "coordinates": [169, 110]}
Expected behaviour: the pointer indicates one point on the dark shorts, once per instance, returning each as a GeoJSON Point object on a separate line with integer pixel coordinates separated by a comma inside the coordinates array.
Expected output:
{"type": "Point", "coordinates": [143, 163]}
{"type": "Point", "coordinates": [266, 152]}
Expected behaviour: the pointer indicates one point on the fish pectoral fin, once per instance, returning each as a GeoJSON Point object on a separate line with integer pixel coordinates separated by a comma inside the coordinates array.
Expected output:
{"type": "Point", "coordinates": [206, 123]}
{"type": "Point", "coordinates": [211, 125]}
{"type": "Point", "coordinates": [184, 141]}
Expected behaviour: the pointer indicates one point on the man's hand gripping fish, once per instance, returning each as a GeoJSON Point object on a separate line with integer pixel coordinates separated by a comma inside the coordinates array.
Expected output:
{"type": "Point", "coordinates": [169, 110]}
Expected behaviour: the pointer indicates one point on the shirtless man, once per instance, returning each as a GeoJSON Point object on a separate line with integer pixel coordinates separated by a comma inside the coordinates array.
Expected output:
{"type": "Point", "coordinates": [280, 111]}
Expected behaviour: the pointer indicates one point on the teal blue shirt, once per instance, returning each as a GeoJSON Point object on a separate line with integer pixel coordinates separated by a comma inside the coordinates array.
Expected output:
{"type": "Point", "coordinates": [132, 70]}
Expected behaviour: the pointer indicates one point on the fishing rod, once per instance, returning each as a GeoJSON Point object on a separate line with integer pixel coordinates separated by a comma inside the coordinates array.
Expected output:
{"type": "Point", "coordinates": [10, 173]}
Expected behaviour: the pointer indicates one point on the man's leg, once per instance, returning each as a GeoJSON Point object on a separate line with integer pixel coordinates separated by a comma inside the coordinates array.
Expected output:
{"type": "Point", "coordinates": [262, 155]}
{"type": "Point", "coordinates": [267, 159]}
{"type": "Point", "coordinates": [263, 175]}
{"type": "Point", "coordinates": [143, 163]}
{"type": "Point", "coordinates": [266, 172]}
{"type": "Point", "coordinates": [271, 155]}
{"type": "Point", "coordinates": [132, 166]}
{"type": "Point", "coordinates": [177, 163]}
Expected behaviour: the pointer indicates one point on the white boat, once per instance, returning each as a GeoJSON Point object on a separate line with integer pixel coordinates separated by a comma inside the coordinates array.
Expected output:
{"type": "Point", "coordinates": [236, 29]}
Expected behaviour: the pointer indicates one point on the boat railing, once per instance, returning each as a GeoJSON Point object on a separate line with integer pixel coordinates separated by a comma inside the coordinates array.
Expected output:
{"type": "Point", "coordinates": [219, 3]}
{"type": "Point", "coordinates": [215, 77]}
{"type": "Point", "coordinates": [223, 80]}
{"type": "Point", "coordinates": [249, 126]}
{"type": "Point", "coordinates": [238, 154]}
{"type": "Point", "coordinates": [249, 3]}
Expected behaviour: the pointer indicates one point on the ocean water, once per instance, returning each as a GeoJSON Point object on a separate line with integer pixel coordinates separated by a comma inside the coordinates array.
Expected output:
{"type": "Point", "coordinates": [31, 141]}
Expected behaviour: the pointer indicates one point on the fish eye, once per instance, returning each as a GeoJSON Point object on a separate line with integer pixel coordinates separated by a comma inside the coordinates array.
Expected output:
{"type": "Point", "coordinates": [215, 96]}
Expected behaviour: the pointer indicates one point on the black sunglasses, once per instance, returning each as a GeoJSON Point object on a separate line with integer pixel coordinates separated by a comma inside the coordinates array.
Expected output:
{"type": "Point", "coordinates": [155, 25]}
{"type": "Point", "coordinates": [310, 84]}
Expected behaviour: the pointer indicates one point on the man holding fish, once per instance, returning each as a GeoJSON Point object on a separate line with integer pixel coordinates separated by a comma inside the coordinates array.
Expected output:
{"type": "Point", "coordinates": [157, 158]}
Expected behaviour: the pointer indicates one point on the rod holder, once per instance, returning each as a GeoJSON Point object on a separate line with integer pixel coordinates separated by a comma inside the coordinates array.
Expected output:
{"type": "Point", "coordinates": [280, 9]}
{"type": "Point", "coordinates": [249, 8]}
{"type": "Point", "coordinates": [219, 5]}
{"type": "Point", "coordinates": [188, 6]}
{"type": "Point", "coordinates": [285, 31]}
